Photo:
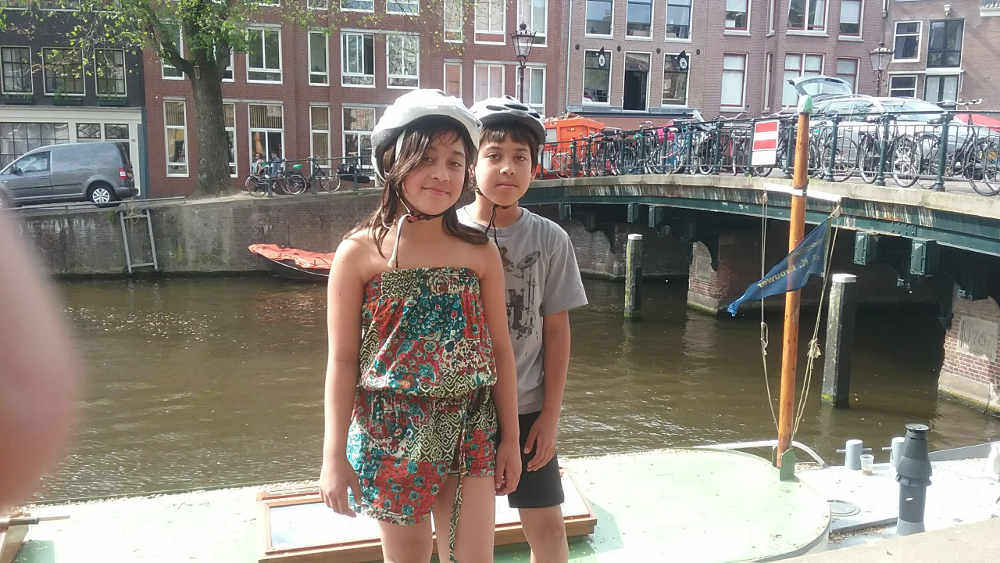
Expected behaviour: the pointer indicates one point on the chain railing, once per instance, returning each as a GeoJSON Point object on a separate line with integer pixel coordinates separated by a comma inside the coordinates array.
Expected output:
{"type": "Point", "coordinates": [945, 150]}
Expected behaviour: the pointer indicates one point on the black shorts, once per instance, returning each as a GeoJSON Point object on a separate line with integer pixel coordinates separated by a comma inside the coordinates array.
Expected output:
{"type": "Point", "coordinates": [537, 489]}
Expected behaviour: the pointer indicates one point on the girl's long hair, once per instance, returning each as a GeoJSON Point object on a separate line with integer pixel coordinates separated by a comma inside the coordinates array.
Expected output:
{"type": "Point", "coordinates": [417, 138]}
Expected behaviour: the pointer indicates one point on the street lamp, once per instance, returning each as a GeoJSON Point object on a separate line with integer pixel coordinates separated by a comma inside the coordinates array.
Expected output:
{"type": "Point", "coordinates": [880, 61]}
{"type": "Point", "coordinates": [523, 40]}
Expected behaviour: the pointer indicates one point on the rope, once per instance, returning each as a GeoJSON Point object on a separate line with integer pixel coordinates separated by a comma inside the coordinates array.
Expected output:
{"type": "Point", "coordinates": [814, 350]}
{"type": "Point", "coordinates": [763, 323]}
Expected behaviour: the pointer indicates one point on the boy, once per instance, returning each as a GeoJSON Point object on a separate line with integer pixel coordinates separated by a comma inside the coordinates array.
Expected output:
{"type": "Point", "coordinates": [543, 284]}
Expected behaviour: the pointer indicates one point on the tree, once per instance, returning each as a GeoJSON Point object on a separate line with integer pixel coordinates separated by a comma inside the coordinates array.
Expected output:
{"type": "Point", "coordinates": [211, 31]}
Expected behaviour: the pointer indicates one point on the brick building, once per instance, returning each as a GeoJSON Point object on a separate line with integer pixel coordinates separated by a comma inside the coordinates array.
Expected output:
{"type": "Point", "coordinates": [318, 92]}
{"type": "Point", "coordinates": [636, 60]}
{"type": "Point", "coordinates": [51, 93]}
{"type": "Point", "coordinates": [944, 51]}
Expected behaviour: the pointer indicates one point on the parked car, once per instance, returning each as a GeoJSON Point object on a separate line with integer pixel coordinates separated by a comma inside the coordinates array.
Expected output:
{"type": "Point", "coordinates": [96, 172]}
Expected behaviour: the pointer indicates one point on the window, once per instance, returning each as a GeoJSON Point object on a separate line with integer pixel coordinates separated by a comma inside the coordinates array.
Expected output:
{"type": "Point", "coordinates": [263, 55]}
{"type": "Point", "coordinates": [678, 19]}
{"type": "Point", "coordinates": [636, 81]}
{"type": "Point", "coordinates": [319, 134]}
{"type": "Point", "coordinates": [736, 14]}
{"type": "Point", "coordinates": [267, 132]}
{"type": "Point", "coordinates": [59, 4]}
{"type": "Point", "coordinates": [229, 115]}
{"type": "Point", "coordinates": [227, 71]}
{"type": "Point", "coordinates": [20, 137]}
{"type": "Point", "coordinates": [358, 5]}
{"type": "Point", "coordinates": [109, 70]}
{"type": "Point", "coordinates": [453, 19]}
{"type": "Point", "coordinates": [534, 87]}
{"type": "Point", "coordinates": [168, 70]}
{"type": "Point", "coordinates": [797, 66]}
{"type": "Point", "coordinates": [14, 4]}
{"type": "Point", "coordinates": [175, 123]}
{"type": "Point", "coordinates": [906, 45]}
{"type": "Point", "coordinates": [850, 18]}
{"type": "Point", "coordinates": [535, 14]}
{"type": "Point", "coordinates": [599, 17]}
{"type": "Point", "coordinates": [675, 79]}
{"type": "Point", "coordinates": [319, 4]}
{"type": "Point", "coordinates": [34, 163]}
{"type": "Point", "coordinates": [490, 16]}
{"type": "Point", "coordinates": [807, 15]}
{"type": "Point", "coordinates": [453, 79]}
{"type": "Point", "coordinates": [116, 132]}
{"type": "Point", "coordinates": [405, 7]}
{"type": "Point", "coordinates": [357, 65]}
{"type": "Point", "coordinates": [768, 70]}
{"type": "Point", "coordinates": [733, 73]}
{"type": "Point", "coordinates": [88, 132]}
{"type": "Point", "coordinates": [16, 63]}
{"type": "Point", "coordinates": [941, 89]}
{"type": "Point", "coordinates": [402, 54]}
{"type": "Point", "coordinates": [638, 18]}
{"type": "Point", "coordinates": [318, 69]}
{"type": "Point", "coordinates": [847, 70]}
{"type": "Point", "coordinates": [770, 16]}
{"type": "Point", "coordinates": [903, 86]}
{"type": "Point", "coordinates": [63, 69]}
{"type": "Point", "coordinates": [596, 77]}
{"type": "Point", "coordinates": [358, 125]}
{"type": "Point", "coordinates": [944, 48]}
{"type": "Point", "coordinates": [489, 81]}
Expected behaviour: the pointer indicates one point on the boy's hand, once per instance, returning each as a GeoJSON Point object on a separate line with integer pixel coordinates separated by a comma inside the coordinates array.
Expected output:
{"type": "Point", "coordinates": [542, 441]}
{"type": "Point", "coordinates": [508, 470]}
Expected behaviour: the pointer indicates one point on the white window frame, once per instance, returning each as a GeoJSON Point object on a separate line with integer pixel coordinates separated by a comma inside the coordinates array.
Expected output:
{"type": "Point", "coordinates": [542, 34]}
{"type": "Point", "coordinates": [913, 75]}
{"type": "Point", "coordinates": [920, 40]}
{"type": "Point", "coordinates": [236, 148]}
{"type": "Point", "coordinates": [363, 10]}
{"type": "Point", "coordinates": [825, 32]}
{"type": "Point", "coordinates": [666, 11]}
{"type": "Point", "coordinates": [743, 92]}
{"type": "Point", "coordinates": [444, 75]}
{"type": "Point", "coordinates": [857, 70]}
{"type": "Point", "coordinates": [324, 160]}
{"type": "Point", "coordinates": [343, 59]}
{"type": "Point", "coordinates": [503, 25]}
{"type": "Point", "coordinates": [736, 30]}
{"type": "Point", "coordinates": [458, 34]}
{"type": "Point", "coordinates": [164, 64]}
{"type": "Point", "coordinates": [124, 74]}
{"type": "Point", "coordinates": [687, 82]}
{"type": "Point", "coordinates": [649, 58]}
{"type": "Point", "coordinates": [389, 76]}
{"type": "Point", "coordinates": [861, 24]}
{"type": "Point", "coordinates": [583, 78]}
{"type": "Point", "coordinates": [45, 70]}
{"type": "Point", "coordinates": [280, 70]}
{"type": "Point", "coordinates": [527, 71]}
{"type": "Point", "coordinates": [942, 76]}
{"type": "Point", "coordinates": [326, 50]}
{"type": "Point", "coordinates": [31, 75]}
{"type": "Point", "coordinates": [768, 77]}
{"type": "Point", "coordinates": [802, 71]}
{"type": "Point", "coordinates": [402, 13]}
{"type": "Point", "coordinates": [599, 35]}
{"type": "Point", "coordinates": [166, 139]}
{"type": "Point", "coordinates": [251, 130]}
{"type": "Point", "coordinates": [475, 83]}
{"type": "Point", "coordinates": [652, 20]}
{"type": "Point", "coordinates": [319, 4]}
{"type": "Point", "coordinates": [772, 6]}
{"type": "Point", "coordinates": [27, 5]}
{"type": "Point", "coordinates": [231, 67]}
{"type": "Point", "coordinates": [344, 132]}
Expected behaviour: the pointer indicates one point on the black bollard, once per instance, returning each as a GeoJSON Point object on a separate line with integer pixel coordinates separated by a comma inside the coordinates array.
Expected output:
{"type": "Point", "coordinates": [914, 475]}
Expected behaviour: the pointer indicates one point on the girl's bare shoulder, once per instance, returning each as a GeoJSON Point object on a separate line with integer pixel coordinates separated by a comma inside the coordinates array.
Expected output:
{"type": "Point", "coordinates": [357, 255]}
{"type": "Point", "coordinates": [481, 258]}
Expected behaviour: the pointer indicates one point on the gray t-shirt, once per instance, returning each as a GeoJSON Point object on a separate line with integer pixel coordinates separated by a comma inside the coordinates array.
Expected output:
{"type": "Point", "coordinates": [542, 278]}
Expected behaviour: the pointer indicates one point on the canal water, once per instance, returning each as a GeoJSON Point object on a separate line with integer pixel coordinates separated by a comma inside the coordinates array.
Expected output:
{"type": "Point", "coordinates": [214, 382]}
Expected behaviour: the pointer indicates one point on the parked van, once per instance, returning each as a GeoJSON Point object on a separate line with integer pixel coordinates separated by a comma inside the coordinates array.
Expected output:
{"type": "Point", "coordinates": [97, 172]}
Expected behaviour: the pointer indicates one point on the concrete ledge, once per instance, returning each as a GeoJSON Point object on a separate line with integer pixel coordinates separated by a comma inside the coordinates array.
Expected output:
{"type": "Point", "coordinates": [971, 392]}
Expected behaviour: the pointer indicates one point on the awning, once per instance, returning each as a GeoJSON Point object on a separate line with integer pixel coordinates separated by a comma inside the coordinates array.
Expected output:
{"type": "Point", "coordinates": [993, 122]}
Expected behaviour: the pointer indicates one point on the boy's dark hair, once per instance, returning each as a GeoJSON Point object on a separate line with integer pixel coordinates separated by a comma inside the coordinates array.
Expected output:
{"type": "Point", "coordinates": [417, 139]}
{"type": "Point", "coordinates": [499, 132]}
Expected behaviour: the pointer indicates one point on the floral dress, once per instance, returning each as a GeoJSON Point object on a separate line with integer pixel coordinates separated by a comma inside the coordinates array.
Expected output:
{"type": "Point", "coordinates": [423, 406]}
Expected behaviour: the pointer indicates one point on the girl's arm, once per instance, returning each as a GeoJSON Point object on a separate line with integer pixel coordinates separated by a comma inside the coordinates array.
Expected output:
{"type": "Point", "coordinates": [343, 319]}
{"type": "Point", "coordinates": [508, 470]}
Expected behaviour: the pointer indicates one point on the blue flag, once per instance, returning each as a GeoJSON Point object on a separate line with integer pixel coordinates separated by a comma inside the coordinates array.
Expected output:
{"type": "Point", "coordinates": [808, 258]}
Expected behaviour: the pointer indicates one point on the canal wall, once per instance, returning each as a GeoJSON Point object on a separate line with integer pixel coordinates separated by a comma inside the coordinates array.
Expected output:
{"type": "Point", "coordinates": [970, 370]}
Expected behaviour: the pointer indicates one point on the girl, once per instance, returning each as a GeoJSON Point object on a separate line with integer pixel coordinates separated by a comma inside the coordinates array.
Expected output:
{"type": "Point", "coordinates": [416, 432]}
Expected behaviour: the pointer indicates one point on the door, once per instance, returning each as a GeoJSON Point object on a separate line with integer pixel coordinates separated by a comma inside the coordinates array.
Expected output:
{"type": "Point", "coordinates": [27, 179]}
{"type": "Point", "coordinates": [636, 81]}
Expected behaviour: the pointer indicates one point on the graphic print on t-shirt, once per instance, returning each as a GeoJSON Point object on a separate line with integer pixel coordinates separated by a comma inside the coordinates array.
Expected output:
{"type": "Point", "coordinates": [520, 301]}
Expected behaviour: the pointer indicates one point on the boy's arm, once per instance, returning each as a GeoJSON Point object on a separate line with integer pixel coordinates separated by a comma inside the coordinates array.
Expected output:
{"type": "Point", "coordinates": [556, 344]}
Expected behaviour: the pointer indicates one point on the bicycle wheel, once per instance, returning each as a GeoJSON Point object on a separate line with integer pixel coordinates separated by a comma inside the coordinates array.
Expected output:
{"type": "Point", "coordinates": [868, 157]}
{"type": "Point", "coordinates": [845, 160]}
{"type": "Point", "coordinates": [983, 167]}
{"type": "Point", "coordinates": [930, 146]}
{"type": "Point", "coordinates": [905, 161]}
{"type": "Point", "coordinates": [319, 182]}
{"type": "Point", "coordinates": [250, 184]}
{"type": "Point", "coordinates": [295, 184]}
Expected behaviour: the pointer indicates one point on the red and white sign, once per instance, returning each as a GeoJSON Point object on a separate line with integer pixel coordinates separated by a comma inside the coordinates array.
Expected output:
{"type": "Point", "coordinates": [765, 143]}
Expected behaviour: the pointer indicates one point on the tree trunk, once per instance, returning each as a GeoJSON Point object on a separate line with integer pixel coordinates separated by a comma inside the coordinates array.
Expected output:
{"type": "Point", "coordinates": [213, 141]}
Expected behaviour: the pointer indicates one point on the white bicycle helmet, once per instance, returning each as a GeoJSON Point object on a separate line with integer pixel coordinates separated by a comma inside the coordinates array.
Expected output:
{"type": "Point", "coordinates": [492, 111]}
{"type": "Point", "coordinates": [410, 107]}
